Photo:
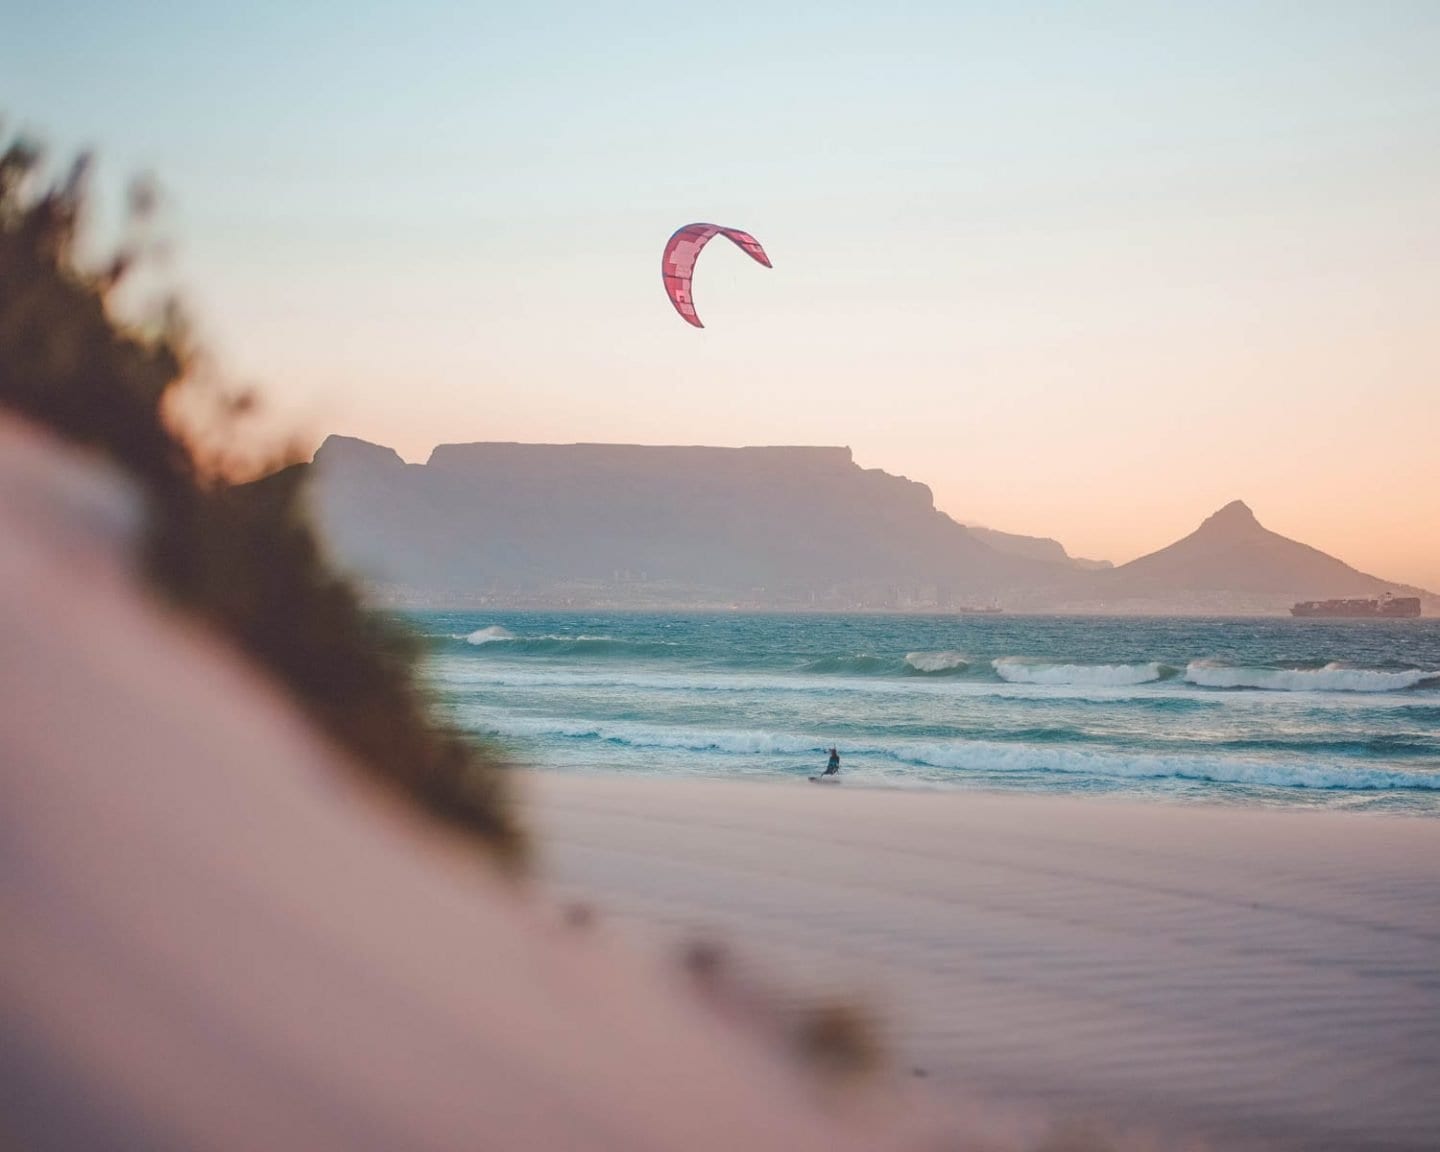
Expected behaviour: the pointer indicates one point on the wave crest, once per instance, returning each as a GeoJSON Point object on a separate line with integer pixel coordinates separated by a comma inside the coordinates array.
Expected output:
{"type": "Point", "coordinates": [1332, 677]}
{"type": "Point", "coordinates": [1016, 670]}
{"type": "Point", "coordinates": [488, 635]}
{"type": "Point", "coordinates": [936, 662]}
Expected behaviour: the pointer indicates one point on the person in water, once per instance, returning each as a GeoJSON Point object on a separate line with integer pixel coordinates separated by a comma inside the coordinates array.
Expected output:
{"type": "Point", "coordinates": [834, 765]}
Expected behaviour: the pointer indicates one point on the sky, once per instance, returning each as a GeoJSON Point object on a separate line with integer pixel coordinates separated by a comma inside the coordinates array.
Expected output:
{"type": "Point", "coordinates": [1090, 271]}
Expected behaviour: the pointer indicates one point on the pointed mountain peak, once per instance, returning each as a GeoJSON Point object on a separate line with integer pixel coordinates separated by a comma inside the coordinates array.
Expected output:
{"type": "Point", "coordinates": [1235, 510]}
{"type": "Point", "coordinates": [1234, 517]}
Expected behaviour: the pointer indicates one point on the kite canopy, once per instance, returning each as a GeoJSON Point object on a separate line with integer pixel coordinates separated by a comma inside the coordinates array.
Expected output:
{"type": "Point", "coordinates": [677, 265]}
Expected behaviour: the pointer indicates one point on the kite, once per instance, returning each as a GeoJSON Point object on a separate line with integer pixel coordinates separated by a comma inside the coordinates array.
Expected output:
{"type": "Point", "coordinates": [677, 265]}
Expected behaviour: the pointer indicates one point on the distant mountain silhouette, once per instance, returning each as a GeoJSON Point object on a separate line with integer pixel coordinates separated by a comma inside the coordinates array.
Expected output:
{"type": "Point", "coordinates": [597, 525]}
{"type": "Point", "coordinates": [611, 523]}
{"type": "Point", "coordinates": [1232, 555]}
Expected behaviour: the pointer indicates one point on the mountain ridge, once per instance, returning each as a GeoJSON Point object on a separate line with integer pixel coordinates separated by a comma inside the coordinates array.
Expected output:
{"type": "Point", "coordinates": [770, 525]}
{"type": "Point", "coordinates": [783, 527]}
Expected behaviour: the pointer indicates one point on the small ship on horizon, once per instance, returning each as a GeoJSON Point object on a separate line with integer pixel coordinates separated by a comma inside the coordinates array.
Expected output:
{"type": "Point", "coordinates": [1387, 607]}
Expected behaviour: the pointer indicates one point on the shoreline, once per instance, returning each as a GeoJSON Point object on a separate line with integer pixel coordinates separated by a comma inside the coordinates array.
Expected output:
{"type": "Point", "coordinates": [1197, 971]}
{"type": "Point", "coordinates": [1329, 715]}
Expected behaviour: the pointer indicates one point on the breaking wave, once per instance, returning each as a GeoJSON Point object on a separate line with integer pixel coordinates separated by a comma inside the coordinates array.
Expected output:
{"type": "Point", "coordinates": [949, 669]}
{"type": "Point", "coordinates": [1016, 670]}
{"type": "Point", "coordinates": [488, 635]}
{"type": "Point", "coordinates": [937, 663]}
{"type": "Point", "coordinates": [1331, 678]}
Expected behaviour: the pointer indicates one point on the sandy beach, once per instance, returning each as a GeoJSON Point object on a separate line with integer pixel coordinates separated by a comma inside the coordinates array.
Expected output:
{"type": "Point", "coordinates": [1241, 978]}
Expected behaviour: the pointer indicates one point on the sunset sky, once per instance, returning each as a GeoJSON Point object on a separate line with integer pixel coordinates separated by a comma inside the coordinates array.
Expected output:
{"type": "Point", "coordinates": [1088, 270]}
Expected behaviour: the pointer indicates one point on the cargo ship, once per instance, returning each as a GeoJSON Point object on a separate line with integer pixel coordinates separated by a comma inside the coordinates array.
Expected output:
{"type": "Point", "coordinates": [1387, 607]}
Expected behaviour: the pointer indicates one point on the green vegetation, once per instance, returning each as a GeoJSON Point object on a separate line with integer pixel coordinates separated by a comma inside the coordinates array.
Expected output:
{"type": "Point", "coordinates": [242, 558]}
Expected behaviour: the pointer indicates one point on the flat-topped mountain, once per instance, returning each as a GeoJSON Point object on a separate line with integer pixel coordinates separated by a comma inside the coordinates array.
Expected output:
{"type": "Point", "coordinates": [606, 523]}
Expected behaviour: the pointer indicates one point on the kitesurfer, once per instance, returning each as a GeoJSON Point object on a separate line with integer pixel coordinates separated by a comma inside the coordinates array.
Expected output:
{"type": "Point", "coordinates": [834, 765]}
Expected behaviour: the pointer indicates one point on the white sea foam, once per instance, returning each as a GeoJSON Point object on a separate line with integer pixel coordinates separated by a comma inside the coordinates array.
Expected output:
{"type": "Point", "coordinates": [937, 661]}
{"type": "Point", "coordinates": [990, 757]}
{"type": "Point", "coordinates": [958, 758]}
{"type": "Point", "coordinates": [489, 635]}
{"type": "Point", "coordinates": [732, 741]}
{"type": "Point", "coordinates": [613, 677]}
{"type": "Point", "coordinates": [1020, 671]}
{"type": "Point", "coordinates": [1331, 678]}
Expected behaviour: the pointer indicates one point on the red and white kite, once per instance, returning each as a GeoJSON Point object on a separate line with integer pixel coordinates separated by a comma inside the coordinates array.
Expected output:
{"type": "Point", "coordinates": [677, 265]}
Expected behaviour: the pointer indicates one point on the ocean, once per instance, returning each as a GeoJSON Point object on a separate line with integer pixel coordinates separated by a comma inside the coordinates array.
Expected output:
{"type": "Point", "coordinates": [1272, 712]}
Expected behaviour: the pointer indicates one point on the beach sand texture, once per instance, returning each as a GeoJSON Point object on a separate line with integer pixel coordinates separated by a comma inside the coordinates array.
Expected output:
{"type": "Point", "coordinates": [1237, 975]}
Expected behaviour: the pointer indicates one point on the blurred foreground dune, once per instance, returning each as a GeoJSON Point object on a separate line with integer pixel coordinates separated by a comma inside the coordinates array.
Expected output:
{"type": "Point", "coordinates": [213, 938]}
